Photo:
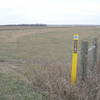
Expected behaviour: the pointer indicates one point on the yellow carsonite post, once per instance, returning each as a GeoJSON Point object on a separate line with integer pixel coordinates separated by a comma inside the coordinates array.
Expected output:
{"type": "Point", "coordinates": [74, 59]}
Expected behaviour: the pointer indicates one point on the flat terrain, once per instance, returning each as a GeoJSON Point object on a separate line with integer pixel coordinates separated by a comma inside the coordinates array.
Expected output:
{"type": "Point", "coordinates": [22, 48]}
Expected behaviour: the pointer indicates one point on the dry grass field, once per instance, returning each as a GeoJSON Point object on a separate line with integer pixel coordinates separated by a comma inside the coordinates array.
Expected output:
{"type": "Point", "coordinates": [28, 56]}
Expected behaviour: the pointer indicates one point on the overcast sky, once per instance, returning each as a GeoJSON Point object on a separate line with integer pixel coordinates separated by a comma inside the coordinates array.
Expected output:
{"type": "Point", "coordinates": [50, 11]}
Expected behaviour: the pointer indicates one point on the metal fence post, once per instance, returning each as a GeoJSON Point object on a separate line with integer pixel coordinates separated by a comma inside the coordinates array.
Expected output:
{"type": "Point", "coordinates": [84, 59]}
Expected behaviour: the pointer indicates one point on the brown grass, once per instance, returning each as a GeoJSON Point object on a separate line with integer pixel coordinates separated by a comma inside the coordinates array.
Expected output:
{"type": "Point", "coordinates": [53, 81]}
{"type": "Point", "coordinates": [41, 54]}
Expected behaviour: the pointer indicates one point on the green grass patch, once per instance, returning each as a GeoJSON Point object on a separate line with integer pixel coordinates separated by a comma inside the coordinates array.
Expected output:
{"type": "Point", "coordinates": [12, 89]}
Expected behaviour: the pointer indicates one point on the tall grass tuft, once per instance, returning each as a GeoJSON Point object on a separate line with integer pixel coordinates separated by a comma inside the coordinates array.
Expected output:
{"type": "Point", "coordinates": [53, 82]}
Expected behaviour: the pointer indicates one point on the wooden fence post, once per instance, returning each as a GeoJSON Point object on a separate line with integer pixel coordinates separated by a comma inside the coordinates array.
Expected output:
{"type": "Point", "coordinates": [94, 52]}
{"type": "Point", "coordinates": [84, 59]}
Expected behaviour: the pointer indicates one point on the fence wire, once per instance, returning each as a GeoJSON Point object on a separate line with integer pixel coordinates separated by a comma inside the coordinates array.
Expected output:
{"type": "Point", "coordinates": [90, 56]}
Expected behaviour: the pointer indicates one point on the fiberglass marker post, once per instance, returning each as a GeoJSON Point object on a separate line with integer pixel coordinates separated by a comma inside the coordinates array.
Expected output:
{"type": "Point", "coordinates": [74, 58]}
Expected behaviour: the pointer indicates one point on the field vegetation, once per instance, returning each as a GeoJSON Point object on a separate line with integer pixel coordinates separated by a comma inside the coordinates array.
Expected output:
{"type": "Point", "coordinates": [35, 63]}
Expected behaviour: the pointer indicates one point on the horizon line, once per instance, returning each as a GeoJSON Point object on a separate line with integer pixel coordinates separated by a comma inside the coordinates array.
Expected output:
{"type": "Point", "coordinates": [50, 24]}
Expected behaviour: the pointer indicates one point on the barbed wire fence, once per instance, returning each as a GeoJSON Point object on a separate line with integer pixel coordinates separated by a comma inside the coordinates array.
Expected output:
{"type": "Point", "coordinates": [89, 55]}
